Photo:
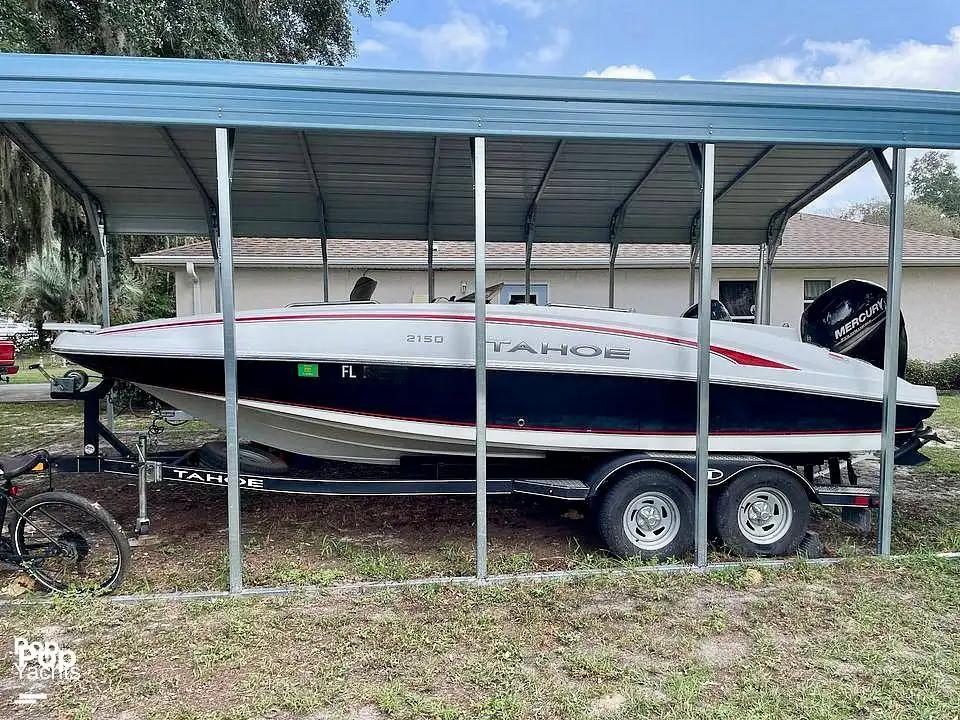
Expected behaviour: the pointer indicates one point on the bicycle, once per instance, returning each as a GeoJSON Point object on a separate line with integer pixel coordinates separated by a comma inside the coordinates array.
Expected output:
{"type": "Point", "coordinates": [64, 541]}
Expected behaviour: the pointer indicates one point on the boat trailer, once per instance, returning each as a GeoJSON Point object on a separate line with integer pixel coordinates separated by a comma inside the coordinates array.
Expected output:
{"type": "Point", "coordinates": [184, 466]}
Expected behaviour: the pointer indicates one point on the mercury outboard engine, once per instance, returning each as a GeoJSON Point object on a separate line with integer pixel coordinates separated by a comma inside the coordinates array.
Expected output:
{"type": "Point", "coordinates": [849, 319]}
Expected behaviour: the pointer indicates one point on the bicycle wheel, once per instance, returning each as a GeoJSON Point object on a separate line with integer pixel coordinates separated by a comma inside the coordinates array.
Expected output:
{"type": "Point", "coordinates": [68, 543]}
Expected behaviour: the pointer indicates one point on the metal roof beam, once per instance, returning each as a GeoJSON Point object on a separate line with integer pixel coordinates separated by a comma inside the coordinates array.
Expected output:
{"type": "Point", "coordinates": [211, 207]}
{"type": "Point", "coordinates": [538, 195]}
{"type": "Point", "coordinates": [321, 209]}
{"type": "Point", "coordinates": [883, 169]}
{"type": "Point", "coordinates": [617, 218]}
{"type": "Point", "coordinates": [35, 149]}
{"type": "Point", "coordinates": [750, 166]}
{"type": "Point", "coordinates": [695, 156]}
{"type": "Point", "coordinates": [759, 158]}
{"type": "Point", "coordinates": [95, 221]}
{"type": "Point", "coordinates": [530, 221]}
{"type": "Point", "coordinates": [778, 221]}
{"type": "Point", "coordinates": [696, 160]}
{"type": "Point", "coordinates": [431, 278]}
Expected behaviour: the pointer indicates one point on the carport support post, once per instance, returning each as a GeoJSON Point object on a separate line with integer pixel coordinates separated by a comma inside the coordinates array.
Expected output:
{"type": "Point", "coordinates": [97, 227]}
{"type": "Point", "coordinates": [431, 275]}
{"type": "Point", "coordinates": [612, 272]}
{"type": "Point", "coordinates": [891, 350]}
{"type": "Point", "coordinates": [694, 250]}
{"type": "Point", "coordinates": [767, 298]}
{"type": "Point", "coordinates": [105, 302]}
{"type": "Point", "coordinates": [215, 249]}
{"type": "Point", "coordinates": [224, 165]}
{"type": "Point", "coordinates": [760, 291]}
{"type": "Point", "coordinates": [703, 353]}
{"type": "Point", "coordinates": [480, 326]}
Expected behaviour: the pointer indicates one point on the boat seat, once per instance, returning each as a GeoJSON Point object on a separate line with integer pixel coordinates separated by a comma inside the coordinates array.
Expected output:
{"type": "Point", "coordinates": [12, 466]}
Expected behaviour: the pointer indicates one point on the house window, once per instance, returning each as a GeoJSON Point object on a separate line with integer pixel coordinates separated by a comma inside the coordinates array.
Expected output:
{"type": "Point", "coordinates": [515, 294]}
{"type": "Point", "coordinates": [812, 289]}
{"type": "Point", "coordinates": [740, 299]}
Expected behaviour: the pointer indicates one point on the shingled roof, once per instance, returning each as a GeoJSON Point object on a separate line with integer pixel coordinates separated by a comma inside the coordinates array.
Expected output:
{"type": "Point", "coordinates": [809, 240]}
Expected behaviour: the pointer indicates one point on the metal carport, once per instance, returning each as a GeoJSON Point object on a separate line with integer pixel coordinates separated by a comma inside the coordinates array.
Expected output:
{"type": "Point", "coordinates": [224, 149]}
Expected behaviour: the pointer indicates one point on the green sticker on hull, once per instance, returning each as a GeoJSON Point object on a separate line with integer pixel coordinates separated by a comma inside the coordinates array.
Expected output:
{"type": "Point", "coordinates": [308, 370]}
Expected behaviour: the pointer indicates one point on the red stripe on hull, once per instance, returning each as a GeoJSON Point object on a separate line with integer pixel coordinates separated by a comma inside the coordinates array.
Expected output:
{"type": "Point", "coordinates": [735, 356]}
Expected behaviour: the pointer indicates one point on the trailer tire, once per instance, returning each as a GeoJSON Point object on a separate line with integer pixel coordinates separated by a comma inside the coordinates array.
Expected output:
{"type": "Point", "coordinates": [648, 514]}
{"type": "Point", "coordinates": [253, 459]}
{"type": "Point", "coordinates": [762, 513]}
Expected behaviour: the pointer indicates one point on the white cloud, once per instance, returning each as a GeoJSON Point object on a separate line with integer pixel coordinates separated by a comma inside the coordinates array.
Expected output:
{"type": "Point", "coordinates": [550, 52]}
{"type": "Point", "coordinates": [626, 72]}
{"type": "Point", "coordinates": [462, 41]}
{"type": "Point", "coordinates": [909, 64]}
{"type": "Point", "coordinates": [529, 8]}
{"type": "Point", "coordinates": [371, 46]}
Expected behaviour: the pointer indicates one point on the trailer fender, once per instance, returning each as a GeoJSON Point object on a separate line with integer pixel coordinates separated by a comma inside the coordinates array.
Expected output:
{"type": "Point", "coordinates": [722, 469]}
{"type": "Point", "coordinates": [604, 475]}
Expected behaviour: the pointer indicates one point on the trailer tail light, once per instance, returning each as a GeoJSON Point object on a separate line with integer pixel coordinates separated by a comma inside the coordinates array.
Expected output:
{"type": "Point", "coordinates": [861, 500]}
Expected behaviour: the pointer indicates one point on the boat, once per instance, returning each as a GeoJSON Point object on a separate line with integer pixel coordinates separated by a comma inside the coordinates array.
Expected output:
{"type": "Point", "coordinates": [375, 383]}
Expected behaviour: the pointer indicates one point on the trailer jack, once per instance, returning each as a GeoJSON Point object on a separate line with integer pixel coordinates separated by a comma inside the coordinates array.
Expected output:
{"type": "Point", "coordinates": [148, 471]}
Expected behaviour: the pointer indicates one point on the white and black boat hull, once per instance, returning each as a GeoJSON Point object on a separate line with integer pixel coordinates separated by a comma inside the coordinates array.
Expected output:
{"type": "Point", "coordinates": [376, 383]}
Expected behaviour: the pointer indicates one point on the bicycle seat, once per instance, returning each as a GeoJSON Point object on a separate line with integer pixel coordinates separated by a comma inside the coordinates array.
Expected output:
{"type": "Point", "coordinates": [12, 466]}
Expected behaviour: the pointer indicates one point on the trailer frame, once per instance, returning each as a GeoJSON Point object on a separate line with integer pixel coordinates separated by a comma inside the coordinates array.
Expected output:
{"type": "Point", "coordinates": [183, 466]}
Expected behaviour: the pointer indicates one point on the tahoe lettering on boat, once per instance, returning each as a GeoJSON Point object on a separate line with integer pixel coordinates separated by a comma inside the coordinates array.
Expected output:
{"type": "Point", "coordinates": [559, 349]}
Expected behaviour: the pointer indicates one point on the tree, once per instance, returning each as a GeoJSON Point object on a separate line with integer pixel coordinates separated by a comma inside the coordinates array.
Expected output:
{"type": "Point", "coordinates": [293, 31]}
{"type": "Point", "coordinates": [35, 213]}
{"type": "Point", "coordinates": [934, 181]}
{"type": "Point", "coordinates": [8, 293]}
{"type": "Point", "coordinates": [48, 291]}
{"type": "Point", "coordinates": [916, 216]}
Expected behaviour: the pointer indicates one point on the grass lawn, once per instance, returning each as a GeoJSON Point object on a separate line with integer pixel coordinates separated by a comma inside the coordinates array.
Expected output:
{"type": "Point", "coordinates": [863, 639]}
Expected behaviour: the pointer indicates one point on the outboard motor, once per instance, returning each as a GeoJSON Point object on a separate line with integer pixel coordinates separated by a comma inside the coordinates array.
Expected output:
{"type": "Point", "coordinates": [849, 319]}
{"type": "Point", "coordinates": [718, 311]}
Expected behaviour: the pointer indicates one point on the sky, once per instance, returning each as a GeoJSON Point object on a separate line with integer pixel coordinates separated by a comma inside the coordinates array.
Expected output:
{"type": "Point", "coordinates": [899, 43]}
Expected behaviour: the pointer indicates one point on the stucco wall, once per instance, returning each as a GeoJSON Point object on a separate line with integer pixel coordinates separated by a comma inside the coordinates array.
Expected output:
{"type": "Point", "coordinates": [931, 296]}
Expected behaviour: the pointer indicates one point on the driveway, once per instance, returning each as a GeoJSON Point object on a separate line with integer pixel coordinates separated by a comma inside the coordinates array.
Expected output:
{"type": "Point", "coordinates": [27, 392]}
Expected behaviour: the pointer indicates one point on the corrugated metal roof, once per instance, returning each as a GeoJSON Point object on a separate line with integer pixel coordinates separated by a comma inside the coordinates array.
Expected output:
{"type": "Point", "coordinates": [113, 128]}
{"type": "Point", "coordinates": [809, 241]}
{"type": "Point", "coordinates": [237, 94]}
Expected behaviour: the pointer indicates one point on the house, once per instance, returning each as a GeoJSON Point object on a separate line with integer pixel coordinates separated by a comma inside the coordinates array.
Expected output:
{"type": "Point", "coordinates": [817, 252]}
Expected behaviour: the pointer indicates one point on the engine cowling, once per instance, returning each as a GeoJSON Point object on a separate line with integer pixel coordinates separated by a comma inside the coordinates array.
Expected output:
{"type": "Point", "coordinates": [849, 319]}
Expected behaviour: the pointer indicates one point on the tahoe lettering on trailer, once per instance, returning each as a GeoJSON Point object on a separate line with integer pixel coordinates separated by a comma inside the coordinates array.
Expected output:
{"type": "Point", "coordinates": [874, 310]}
{"type": "Point", "coordinates": [561, 349]}
{"type": "Point", "coordinates": [213, 478]}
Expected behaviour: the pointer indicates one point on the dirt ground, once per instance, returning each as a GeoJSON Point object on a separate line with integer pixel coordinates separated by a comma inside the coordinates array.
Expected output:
{"type": "Point", "coordinates": [310, 540]}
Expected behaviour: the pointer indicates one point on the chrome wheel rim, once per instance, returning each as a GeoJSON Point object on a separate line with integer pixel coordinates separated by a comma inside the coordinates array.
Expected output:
{"type": "Point", "coordinates": [651, 520]}
{"type": "Point", "coordinates": [765, 516]}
